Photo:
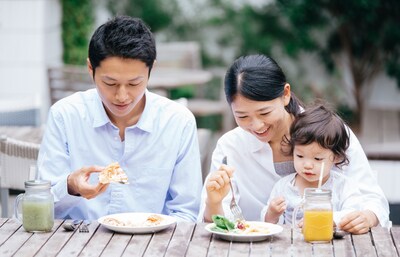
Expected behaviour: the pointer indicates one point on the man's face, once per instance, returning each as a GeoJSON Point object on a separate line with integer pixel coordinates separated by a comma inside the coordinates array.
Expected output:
{"type": "Point", "coordinates": [121, 84]}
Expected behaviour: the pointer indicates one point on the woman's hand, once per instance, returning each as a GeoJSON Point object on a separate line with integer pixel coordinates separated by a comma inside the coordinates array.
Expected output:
{"type": "Point", "coordinates": [358, 222]}
{"type": "Point", "coordinates": [77, 183]}
{"type": "Point", "coordinates": [217, 184]}
{"type": "Point", "coordinates": [217, 187]}
{"type": "Point", "coordinates": [275, 209]}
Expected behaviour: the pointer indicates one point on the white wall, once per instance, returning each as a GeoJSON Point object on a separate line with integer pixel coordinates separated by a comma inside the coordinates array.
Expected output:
{"type": "Point", "coordinates": [30, 41]}
{"type": "Point", "coordinates": [388, 173]}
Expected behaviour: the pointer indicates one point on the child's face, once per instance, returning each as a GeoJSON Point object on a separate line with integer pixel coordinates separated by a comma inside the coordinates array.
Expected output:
{"type": "Point", "coordinates": [121, 84]}
{"type": "Point", "coordinates": [308, 160]}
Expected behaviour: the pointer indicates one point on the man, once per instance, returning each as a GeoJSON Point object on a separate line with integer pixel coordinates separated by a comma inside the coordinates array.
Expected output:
{"type": "Point", "coordinates": [153, 138]}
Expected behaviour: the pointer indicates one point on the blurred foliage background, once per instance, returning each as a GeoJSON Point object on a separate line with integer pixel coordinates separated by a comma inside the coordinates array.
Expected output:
{"type": "Point", "coordinates": [360, 37]}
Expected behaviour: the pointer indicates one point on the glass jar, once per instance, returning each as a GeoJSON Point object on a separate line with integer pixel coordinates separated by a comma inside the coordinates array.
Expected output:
{"type": "Point", "coordinates": [318, 215]}
{"type": "Point", "coordinates": [37, 206]}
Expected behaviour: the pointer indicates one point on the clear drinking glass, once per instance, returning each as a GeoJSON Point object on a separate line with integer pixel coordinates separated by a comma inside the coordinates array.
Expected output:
{"type": "Point", "coordinates": [37, 206]}
{"type": "Point", "coordinates": [318, 215]}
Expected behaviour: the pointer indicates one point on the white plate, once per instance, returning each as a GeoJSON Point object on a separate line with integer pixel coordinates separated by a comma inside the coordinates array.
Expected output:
{"type": "Point", "coordinates": [137, 218]}
{"type": "Point", "coordinates": [273, 229]}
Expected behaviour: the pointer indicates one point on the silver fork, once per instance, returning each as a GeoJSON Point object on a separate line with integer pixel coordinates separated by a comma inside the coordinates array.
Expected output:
{"type": "Point", "coordinates": [83, 228]}
{"type": "Point", "coordinates": [235, 209]}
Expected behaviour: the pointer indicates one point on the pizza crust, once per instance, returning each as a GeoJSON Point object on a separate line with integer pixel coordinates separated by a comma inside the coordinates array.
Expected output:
{"type": "Point", "coordinates": [113, 173]}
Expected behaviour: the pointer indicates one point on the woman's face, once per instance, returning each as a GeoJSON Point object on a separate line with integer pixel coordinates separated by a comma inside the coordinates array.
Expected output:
{"type": "Point", "coordinates": [266, 120]}
{"type": "Point", "coordinates": [121, 84]}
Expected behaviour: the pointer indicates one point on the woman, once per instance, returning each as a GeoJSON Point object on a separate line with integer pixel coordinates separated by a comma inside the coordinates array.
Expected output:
{"type": "Point", "coordinates": [264, 108]}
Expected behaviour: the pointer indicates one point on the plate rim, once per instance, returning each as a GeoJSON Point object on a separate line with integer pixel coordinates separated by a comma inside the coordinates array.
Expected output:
{"type": "Point", "coordinates": [139, 229]}
{"type": "Point", "coordinates": [245, 236]}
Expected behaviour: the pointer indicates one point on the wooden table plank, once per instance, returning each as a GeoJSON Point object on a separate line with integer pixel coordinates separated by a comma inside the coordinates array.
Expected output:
{"type": "Point", "coordinates": [8, 229]}
{"type": "Point", "coordinates": [262, 248]}
{"type": "Point", "coordinates": [363, 245]}
{"type": "Point", "coordinates": [395, 232]}
{"type": "Point", "coordinates": [14, 242]}
{"type": "Point", "coordinates": [181, 239]}
{"type": "Point", "coordinates": [239, 249]}
{"type": "Point", "coordinates": [159, 243]}
{"type": "Point", "coordinates": [55, 243]}
{"type": "Point", "coordinates": [300, 247]}
{"type": "Point", "coordinates": [218, 247]}
{"type": "Point", "coordinates": [117, 245]}
{"type": "Point", "coordinates": [344, 247]}
{"type": "Point", "coordinates": [78, 240]}
{"type": "Point", "coordinates": [2, 221]}
{"type": "Point", "coordinates": [383, 242]}
{"type": "Point", "coordinates": [200, 241]}
{"type": "Point", "coordinates": [138, 245]}
{"type": "Point", "coordinates": [36, 241]}
{"type": "Point", "coordinates": [276, 245]}
{"type": "Point", "coordinates": [323, 249]}
{"type": "Point", "coordinates": [97, 241]}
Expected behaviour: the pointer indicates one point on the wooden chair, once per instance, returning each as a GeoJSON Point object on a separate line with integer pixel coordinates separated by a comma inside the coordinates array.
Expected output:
{"type": "Point", "coordinates": [66, 80]}
{"type": "Point", "coordinates": [16, 157]}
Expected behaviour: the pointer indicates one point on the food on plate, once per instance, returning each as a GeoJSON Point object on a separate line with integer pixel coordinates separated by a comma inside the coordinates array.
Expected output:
{"type": "Point", "coordinates": [113, 173]}
{"type": "Point", "coordinates": [154, 219]}
{"type": "Point", "coordinates": [151, 220]}
{"type": "Point", "coordinates": [114, 222]}
{"type": "Point", "coordinates": [224, 225]}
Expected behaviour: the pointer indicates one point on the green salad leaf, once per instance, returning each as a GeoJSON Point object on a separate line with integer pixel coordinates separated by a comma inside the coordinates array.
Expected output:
{"type": "Point", "coordinates": [222, 223]}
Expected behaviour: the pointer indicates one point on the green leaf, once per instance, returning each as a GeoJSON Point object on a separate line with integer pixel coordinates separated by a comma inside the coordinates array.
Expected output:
{"type": "Point", "coordinates": [222, 222]}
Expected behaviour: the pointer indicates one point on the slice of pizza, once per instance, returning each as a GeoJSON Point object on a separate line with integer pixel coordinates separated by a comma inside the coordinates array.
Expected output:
{"type": "Point", "coordinates": [113, 173]}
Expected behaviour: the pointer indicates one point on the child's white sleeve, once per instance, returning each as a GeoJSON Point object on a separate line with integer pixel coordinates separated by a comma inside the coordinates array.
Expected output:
{"type": "Point", "coordinates": [275, 192]}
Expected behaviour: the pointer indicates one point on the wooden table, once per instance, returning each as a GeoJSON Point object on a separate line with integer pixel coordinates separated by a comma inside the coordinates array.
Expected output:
{"type": "Point", "coordinates": [184, 239]}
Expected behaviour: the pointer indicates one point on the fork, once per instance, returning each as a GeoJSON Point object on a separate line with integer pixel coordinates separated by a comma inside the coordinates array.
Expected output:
{"type": "Point", "coordinates": [235, 209]}
{"type": "Point", "coordinates": [83, 228]}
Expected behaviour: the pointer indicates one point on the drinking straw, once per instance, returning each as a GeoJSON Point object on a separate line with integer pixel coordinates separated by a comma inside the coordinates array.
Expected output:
{"type": "Point", "coordinates": [321, 174]}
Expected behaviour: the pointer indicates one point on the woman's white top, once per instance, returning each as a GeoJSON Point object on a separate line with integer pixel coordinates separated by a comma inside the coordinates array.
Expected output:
{"type": "Point", "coordinates": [255, 175]}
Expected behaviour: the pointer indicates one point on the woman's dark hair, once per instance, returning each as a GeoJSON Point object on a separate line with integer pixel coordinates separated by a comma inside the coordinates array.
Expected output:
{"type": "Point", "coordinates": [124, 37]}
{"type": "Point", "coordinates": [320, 124]}
{"type": "Point", "coordinates": [258, 78]}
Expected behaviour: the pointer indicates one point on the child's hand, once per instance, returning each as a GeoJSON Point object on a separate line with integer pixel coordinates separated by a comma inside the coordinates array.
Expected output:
{"type": "Point", "coordinates": [275, 209]}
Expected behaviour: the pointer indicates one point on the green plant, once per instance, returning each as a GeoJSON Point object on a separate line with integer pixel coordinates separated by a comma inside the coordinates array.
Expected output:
{"type": "Point", "coordinates": [365, 34]}
{"type": "Point", "coordinates": [77, 22]}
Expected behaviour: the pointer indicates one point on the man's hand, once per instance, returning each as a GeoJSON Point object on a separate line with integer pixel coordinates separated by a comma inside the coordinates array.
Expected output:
{"type": "Point", "coordinates": [275, 209]}
{"type": "Point", "coordinates": [77, 183]}
{"type": "Point", "coordinates": [358, 222]}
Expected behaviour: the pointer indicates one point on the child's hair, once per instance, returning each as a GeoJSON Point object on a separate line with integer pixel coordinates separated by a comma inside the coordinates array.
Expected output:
{"type": "Point", "coordinates": [322, 125]}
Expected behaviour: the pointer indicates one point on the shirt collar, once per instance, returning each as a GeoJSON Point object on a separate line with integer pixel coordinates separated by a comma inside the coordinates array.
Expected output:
{"type": "Point", "coordinates": [146, 120]}
{"type": "Point", "coordinates": [100, 117]}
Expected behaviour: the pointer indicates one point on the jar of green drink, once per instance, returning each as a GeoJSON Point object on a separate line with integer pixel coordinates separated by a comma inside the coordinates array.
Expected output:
{"type": "Point", "coordinates": [37, 206]}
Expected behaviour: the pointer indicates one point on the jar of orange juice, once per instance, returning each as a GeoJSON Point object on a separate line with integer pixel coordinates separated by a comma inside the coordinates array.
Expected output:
{"type": "Point", "coordinates": [318, 215]}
